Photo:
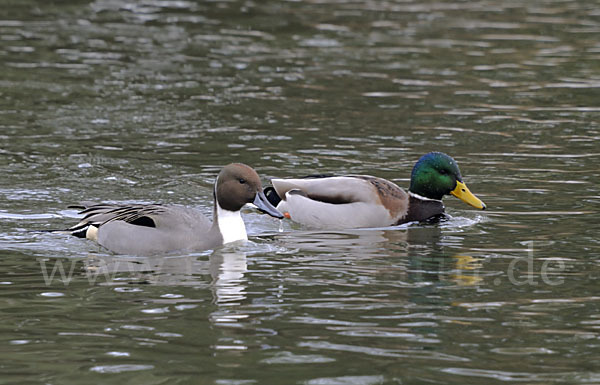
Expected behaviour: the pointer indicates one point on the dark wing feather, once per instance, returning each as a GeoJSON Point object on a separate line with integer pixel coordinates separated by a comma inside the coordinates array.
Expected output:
{"type": "Point", "coordinates": [100, 214]}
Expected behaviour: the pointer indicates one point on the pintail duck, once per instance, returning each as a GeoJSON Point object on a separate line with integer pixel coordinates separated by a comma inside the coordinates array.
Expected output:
{"type": "Point", "coordinates": [361, 201]}
{"type": "Point", "coordinates": [139, 229]}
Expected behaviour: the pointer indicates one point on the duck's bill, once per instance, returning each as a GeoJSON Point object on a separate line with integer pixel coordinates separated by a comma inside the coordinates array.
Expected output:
{"type": "Point", "coordinates": [462, 192]}
{"type": "Point", "coordinates": [262, 203]}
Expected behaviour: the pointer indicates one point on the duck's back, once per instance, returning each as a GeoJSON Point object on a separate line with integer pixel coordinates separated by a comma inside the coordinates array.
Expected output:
{"type": "Point", "coordinates": [352, 201]}
{"type": "Point", "coordinates": [151, 229]}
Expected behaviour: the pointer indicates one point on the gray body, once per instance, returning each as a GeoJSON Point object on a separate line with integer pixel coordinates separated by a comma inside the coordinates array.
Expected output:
{"type": "Point", "coordinates": [176, 228]}
{"type": "Point", "coordinates": [352, 201]}
{"type": "Point", "coordinates": [150, 229]}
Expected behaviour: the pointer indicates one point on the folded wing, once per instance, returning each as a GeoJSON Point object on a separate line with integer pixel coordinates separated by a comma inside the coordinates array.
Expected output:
{"type": "Point", "coordinates": [341, 202]}
{"type": "Point", "coordinates": [143, 229]}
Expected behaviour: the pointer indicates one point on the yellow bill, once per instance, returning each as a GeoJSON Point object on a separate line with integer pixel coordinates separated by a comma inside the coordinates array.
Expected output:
{"type": "Point", "coordinates": [462, 192]}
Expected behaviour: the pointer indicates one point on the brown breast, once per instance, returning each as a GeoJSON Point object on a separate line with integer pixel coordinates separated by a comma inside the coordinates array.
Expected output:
{"type": "Point", "coordinates": [392, 197]}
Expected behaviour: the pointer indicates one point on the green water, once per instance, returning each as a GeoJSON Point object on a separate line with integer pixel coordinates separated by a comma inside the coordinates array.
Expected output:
{"type": "Point", "coordinates": [145, 101]}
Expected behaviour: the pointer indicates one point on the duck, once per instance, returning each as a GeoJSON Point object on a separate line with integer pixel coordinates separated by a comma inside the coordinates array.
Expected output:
{"type": "Point", "coordinates": [364, 201]}
{"type": "Point", "coordinates": [147, 229]}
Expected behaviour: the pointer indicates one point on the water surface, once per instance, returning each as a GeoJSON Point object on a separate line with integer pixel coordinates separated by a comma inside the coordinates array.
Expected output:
{"type": "Point", "coordinates": [145, 101]}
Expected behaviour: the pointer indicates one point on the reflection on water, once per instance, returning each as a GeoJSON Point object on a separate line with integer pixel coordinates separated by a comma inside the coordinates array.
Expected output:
{"type": "Point", "coordinates": [223, 272]}
{"type": "Point", "coordinates": [144, 101]}
{"type": "Point", "coordinates": [227, 270]}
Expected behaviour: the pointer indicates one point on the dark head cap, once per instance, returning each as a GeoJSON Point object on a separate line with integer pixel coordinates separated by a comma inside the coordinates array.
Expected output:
{"type": "Point", "coordinates": [237, 185]}
{"type": "Point", "coordinates": [434, 175]}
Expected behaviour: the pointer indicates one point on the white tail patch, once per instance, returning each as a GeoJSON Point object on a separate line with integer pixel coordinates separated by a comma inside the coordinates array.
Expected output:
{"type": "Point", "coordinates": [231, 225]}
{"type": "Point", "coordinates": [92, 233]}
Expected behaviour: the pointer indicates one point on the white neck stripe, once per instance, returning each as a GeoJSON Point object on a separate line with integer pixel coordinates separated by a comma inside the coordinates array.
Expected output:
{"type": "Point", "coordinates": [231, 226]}
{"type": "Point", "coordinates": [422, 197]}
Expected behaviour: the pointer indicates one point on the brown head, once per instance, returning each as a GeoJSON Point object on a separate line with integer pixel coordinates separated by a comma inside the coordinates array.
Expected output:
{"type": "Point", "coordinates": [237, 185]}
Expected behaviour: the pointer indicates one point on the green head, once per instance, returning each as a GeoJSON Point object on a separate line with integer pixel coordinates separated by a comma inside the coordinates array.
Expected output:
{"type": "Point", "coordinates": [436, 174]}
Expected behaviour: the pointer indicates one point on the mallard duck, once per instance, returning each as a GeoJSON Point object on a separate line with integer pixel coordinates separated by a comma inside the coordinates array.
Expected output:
{"type": "Point", "coordinates": [361, 201]}
{"type": "Point", "coordinates": [139, 229]}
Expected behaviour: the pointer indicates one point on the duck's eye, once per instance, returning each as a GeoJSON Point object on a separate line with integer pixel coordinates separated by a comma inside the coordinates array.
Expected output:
{"type": "Point", "coordinates": [443, 171]}
{"type": "Point", "coordinates": [242, 180]}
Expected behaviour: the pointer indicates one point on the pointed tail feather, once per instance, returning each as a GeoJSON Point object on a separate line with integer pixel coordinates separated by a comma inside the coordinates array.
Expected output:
{"type": "Point", "coordinates": [79, 231]}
